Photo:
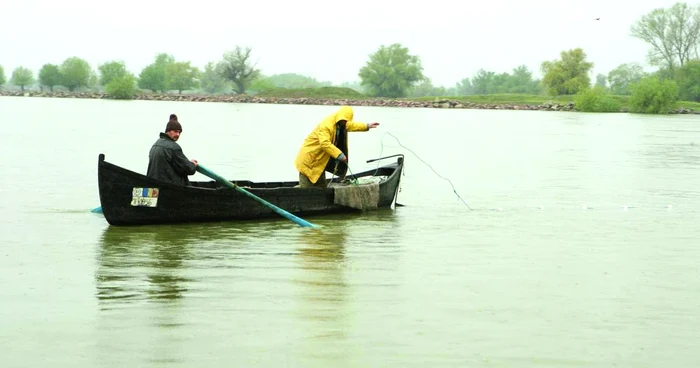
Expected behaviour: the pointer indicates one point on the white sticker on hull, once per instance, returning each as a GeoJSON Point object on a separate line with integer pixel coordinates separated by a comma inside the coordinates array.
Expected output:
{"type": "Point", "coordinates": [144, 197]}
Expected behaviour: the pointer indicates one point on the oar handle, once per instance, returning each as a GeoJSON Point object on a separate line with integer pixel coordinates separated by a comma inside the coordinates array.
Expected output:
{"type": "Point", "coordinates": [299, 221]}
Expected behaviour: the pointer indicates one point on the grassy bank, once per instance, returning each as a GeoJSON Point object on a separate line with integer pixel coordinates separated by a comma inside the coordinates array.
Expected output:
{"type": "Point", "coordinates": [523, 99]}
{"type": "Point", "coordinates": [496, 99]}
{"type": "Point", "coordinates": [341, 95]}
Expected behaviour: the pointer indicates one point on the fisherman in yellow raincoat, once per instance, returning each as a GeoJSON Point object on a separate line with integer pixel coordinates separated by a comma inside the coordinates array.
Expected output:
{"type": "Point", "coordinates": [326, 148]}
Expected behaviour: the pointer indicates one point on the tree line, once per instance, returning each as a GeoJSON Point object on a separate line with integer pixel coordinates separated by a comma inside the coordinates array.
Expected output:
{"type": "Point", "coordinates": [673, 36]}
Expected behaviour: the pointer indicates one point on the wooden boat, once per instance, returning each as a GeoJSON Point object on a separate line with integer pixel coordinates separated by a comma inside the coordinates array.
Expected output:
{"type": "Point", "coordinates": [130, 198]}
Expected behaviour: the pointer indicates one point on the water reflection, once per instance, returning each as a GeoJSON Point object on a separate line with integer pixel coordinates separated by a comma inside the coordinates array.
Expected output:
{"type": "Point", "coordinates": [142, 263]}
{"type": "Point", "coordinates": [153, 262]}
{"type": "Point", "coordinates": [325, 288]}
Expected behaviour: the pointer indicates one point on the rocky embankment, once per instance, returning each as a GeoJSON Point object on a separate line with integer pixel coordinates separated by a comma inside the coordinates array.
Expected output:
{"type": "Point", "coordinates": [438, 103]}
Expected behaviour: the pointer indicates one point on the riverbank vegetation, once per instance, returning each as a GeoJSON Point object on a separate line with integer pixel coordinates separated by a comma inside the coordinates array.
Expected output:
{"type": "Point", "coordinates": [392, 72]}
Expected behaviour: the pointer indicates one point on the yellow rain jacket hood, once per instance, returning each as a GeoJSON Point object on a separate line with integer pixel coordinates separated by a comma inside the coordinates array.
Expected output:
{"type": "Point", "coordinates": [326, 142]}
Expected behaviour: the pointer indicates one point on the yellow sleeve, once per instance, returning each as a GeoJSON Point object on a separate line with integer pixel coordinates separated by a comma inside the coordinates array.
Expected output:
{"type": "Point", "coordinates": [324, 139]}
{"type": "Point", "coordinates": [356, 126]}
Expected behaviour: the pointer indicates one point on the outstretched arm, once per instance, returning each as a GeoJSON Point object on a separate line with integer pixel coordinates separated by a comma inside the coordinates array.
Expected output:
{"type": "Point", "coordinates": [356, 126]}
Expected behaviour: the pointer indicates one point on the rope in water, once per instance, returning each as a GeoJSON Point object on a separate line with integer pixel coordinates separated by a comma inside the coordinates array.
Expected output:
{"type": "Point", "coordinates": [381, 141]}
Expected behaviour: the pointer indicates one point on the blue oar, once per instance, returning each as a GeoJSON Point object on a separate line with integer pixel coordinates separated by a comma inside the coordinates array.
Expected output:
{"type": "Point", "coordinates": [289, 216]}
{"type": "Point", "coordinates": [96, 210]}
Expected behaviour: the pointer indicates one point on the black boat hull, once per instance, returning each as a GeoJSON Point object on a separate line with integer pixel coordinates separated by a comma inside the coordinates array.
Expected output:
{"type": "Point", "coordinates": [130, 198]}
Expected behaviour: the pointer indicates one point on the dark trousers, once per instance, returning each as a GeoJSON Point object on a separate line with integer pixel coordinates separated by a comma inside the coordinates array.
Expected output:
{"type": "Point", "coordinates": [304, 182]}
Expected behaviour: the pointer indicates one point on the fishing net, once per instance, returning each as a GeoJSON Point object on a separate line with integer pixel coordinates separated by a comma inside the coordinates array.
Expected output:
{"type": "Point", "coordinates": [353, 194]}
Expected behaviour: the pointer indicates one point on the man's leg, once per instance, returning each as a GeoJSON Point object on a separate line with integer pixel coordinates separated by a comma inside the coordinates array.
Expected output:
{"type": "Point", "coordinates": [304, 182]}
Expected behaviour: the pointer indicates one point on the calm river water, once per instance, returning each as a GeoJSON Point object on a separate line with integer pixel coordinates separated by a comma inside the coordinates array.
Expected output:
{"type": "Point", "coordinates": [575, 243]}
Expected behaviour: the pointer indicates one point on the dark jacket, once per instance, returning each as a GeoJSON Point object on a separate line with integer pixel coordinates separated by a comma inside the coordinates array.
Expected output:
{"type": "Point", "coordinates": [166, 162]}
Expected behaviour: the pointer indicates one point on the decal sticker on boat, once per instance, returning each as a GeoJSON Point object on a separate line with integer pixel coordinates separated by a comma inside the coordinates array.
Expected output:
{"type": "Point", "coordinates": [144, 197]}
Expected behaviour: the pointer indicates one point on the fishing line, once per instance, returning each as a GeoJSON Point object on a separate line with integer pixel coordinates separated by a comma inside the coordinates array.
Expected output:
{"type": "Point", "coordinates": [381, 141]}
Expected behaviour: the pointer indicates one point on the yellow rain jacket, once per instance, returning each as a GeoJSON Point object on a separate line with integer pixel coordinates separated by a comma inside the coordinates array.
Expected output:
{"type": "Point", "coordinates": [320, 145]}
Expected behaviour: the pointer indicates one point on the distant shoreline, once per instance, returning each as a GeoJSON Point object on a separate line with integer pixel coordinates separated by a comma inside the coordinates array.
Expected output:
{"type": "Point", "coordinates": [438, 102]}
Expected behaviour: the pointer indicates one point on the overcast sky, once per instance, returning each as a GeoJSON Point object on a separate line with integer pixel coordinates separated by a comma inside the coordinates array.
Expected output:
{"type": "Point", "coordinates": [328, 40]}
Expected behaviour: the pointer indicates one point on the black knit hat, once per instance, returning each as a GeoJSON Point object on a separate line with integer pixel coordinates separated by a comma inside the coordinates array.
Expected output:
{"type": "Point", "coordinates": [173, 125]}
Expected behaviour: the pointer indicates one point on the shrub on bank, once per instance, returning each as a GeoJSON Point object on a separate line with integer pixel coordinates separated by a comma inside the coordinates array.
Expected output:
{"type": "Point", "coordinates": [652, 95]}
{"type": "Point", "coordinates": [122, 88]}
{"type": "Point", "coordinates": [596, 100]}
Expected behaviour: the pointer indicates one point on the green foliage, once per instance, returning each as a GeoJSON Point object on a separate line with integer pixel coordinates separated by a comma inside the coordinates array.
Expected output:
{"type": "Point", "coordinates": [357, 86]}
{"type": "Point", "coordinates": [262, 84]}
{"type": "Point", "coordinates": [291, 80]}
{"type": "Point", "coordinates": [652, 95]}
{"type": "Point", "coordinates": [153, 76]}
{"type": "Point", "coordinates": [521, 81]}
{"type": "Point", "coordinates": [122, 87]}
{"type": "Point", "coordinates": [568, 75]}
{"type": "Point", "coordinates": [181, 76]}
{"type": "Point", "coordinates": [321, 92]}
{"type": "Point", "coordinates": [487, 82]}
{"type": "Point", "coordinates": [391, 71]}
{"type": "Point", "coordinates": [596, 100]}
{"type": "Point", "coordinates": [75, 73]}
{"type": "Point", "coordinates": [212, 81]}
{"type": "Point", "coordinates": [672, 33]}
{"type": "Point", "coordinates": [237, 67]}
{"type": "Point", "coordinates": [2, 76]}
{"type": "Point", "coordinates": [94, 81]}
{"type": "Point", "coordinates": [426, 88]}
{"type": "Point", "coordinates": [600, 81]}
{"type": "Point", "coordinates": [623, 76]}
{"type": "Point", "coordinates": [464, 87]}
{"type": "Point", "coordinates": [50, 76]}
{"type": "Point", "coordinates": [22, 77]}
{"type": "Point", "coordinates": [110, 71]}
{"type": "Point", "coordinates": [688, 79]}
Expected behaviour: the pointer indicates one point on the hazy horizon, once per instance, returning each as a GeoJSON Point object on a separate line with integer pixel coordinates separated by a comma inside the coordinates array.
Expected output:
{"type": "Point", "coordinates": [325, 41]}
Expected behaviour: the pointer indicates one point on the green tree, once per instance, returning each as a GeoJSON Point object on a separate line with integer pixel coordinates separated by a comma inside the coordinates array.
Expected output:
{"type": "Point", "coordinates": [600, 81]}
{"type": "Point", "coordinates": [484, 82]}
{"type": "Point", "coordinates": [110, 71]}
{"type": "Point", "coordinates": [391, 71]}
{"type": "Point", "coordinates": [212, 81]}
{"type": "Point", "coordinates": [623, 76]}
{"type": "Point", "coordinates": [688, 79]}
{"type": "Point", "coordinates": [75, 73]}
{"type": "Point", "coordinates": [154, 76]}
{"type": "Point", "coordinates": [94, 81]}
{"type": "Point", "coordinates": [50, 76]}
{"type": "Point", "coordinates": [181, 76]}
{"type": "Point", "coordinates": [464, 87]}
{"type": "Point", "coordinates": [426, 88]}
{"type": "Point", "coordinates": [673, 34]}
{"type": "Point", "coordinates": [22, 77]}
{"type": "Point", "coordinates": [2, 77]}
{"type": "Point", "coordinates": [122, 87]}
{"type": "Point", "coordinates": [521, 81]}
{"type": "Point", "coordinates": [652, 95]}
{"type": "Point", "coordinates": [238, 68]}
{"type": "Point", "coordinates": [568, 75]}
